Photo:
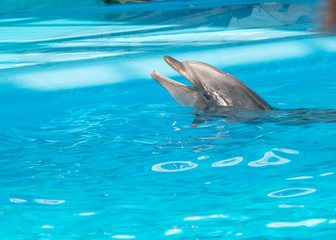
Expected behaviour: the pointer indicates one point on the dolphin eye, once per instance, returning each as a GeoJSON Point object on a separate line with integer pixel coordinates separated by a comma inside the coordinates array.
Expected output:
{"type": "Point", "coordinates": [207, 96]}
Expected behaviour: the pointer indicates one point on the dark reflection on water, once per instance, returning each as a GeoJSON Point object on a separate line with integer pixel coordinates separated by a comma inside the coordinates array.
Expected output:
{"type": "Point", "coordinates": [292, 117]}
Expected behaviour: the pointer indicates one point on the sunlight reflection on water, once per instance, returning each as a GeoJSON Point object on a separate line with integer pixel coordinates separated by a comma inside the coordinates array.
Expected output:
{"type": "Point", "coordinates": [291, 192]}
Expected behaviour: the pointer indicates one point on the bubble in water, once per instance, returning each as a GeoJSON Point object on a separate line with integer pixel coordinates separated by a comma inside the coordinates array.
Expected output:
{"type": "Point", "coordinates": [266, 160]}
{"type": "Point", "coordinates": [291, 192]}
{"type": "Point", "coordinates": [228, 162]}
{"type": "Point", "coordinates": [174, 166]}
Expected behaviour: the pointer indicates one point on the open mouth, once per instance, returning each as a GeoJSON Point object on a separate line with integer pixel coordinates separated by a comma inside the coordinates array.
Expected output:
{"type": "Point", "coordinates": [160, 78]}
{"type": "Point", "coordinates": [178, 66]}
{"type": "Point", "coordinates": [185, 95]}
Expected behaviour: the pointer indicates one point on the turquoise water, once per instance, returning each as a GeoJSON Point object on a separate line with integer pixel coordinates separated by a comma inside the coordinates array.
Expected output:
{"type": "Point", "coordinates": [92, 148]}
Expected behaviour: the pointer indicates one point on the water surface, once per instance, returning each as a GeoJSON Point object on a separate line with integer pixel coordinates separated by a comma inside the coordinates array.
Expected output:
{"type": "Point", "coordinates": [91, 147]}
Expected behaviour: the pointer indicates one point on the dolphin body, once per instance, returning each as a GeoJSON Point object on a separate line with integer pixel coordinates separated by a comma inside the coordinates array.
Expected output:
{"type": "Point", "coordinates": [218, 94]}
{"type": "Point", "coordinates": [213, 90]}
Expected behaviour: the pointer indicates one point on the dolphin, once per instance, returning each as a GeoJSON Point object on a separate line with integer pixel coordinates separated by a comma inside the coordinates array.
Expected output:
{"type": "Point", "coordinates": [217, 94]}
{"type": "Point", "coordinates": [212, 88]}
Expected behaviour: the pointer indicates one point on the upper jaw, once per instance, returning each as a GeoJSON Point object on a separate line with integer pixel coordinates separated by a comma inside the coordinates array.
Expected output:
{"type": "Point", "coordinates": [180, 67]}
{"type": "Point", "coordinates": [183, 94]}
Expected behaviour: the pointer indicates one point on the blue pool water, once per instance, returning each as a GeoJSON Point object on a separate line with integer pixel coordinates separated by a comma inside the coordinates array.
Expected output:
{"type": "Point", "coordinates": [92, 148]}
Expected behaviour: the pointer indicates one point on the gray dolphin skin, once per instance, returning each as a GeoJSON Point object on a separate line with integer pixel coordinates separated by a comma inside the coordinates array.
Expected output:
{"type": "Point", "coordinates": [217, 94]}
{"type": "Point", "coordinates": [211, 87]}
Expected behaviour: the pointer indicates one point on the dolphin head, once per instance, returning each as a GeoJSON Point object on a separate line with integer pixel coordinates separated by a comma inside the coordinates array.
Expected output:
{"type": "Point", "coordinates": [211, 87]}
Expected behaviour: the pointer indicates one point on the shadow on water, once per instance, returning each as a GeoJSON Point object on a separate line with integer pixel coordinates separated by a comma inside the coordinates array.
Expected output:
{"type": "Point", "coordinates": [292, 117]}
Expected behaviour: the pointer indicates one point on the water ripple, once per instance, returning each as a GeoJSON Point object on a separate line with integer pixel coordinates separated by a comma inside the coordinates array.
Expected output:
{"type": "Point", "coordinates": [174, 166]}
{"type": "Point", "coordinates": [113, 161]}
{"type": "Point", "coordinates": [228, 162]}
{"type": "Point", "coordinates": [291, 192]}
{"type": "Point", "coordinates": [305, 223]}
{"type": "Point", "coordinates": [123, 236]}
{"type": "Point", "coordinates": [49, 201]}
{"type": "Point", "coordinates": [173, 231]}
{"type": "Point", "coordinates": [268, 159]}
{"type": "Point", "coordinates": [17, 200]}
{"type": "Point", "coordinates": [300, 178]}
{"type": "Point", "coordinates": [196, 218]}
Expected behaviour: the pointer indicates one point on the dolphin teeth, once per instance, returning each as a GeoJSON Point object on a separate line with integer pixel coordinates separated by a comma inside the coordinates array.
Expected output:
{"type": "Point", "coordinates": [158, 76]}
